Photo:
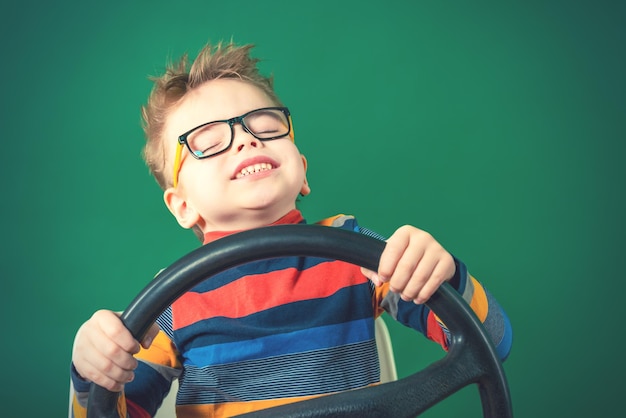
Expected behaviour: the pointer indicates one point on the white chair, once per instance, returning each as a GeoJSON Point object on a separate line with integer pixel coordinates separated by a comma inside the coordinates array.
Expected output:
{"type": "Point", "coordinates": [388, 371]}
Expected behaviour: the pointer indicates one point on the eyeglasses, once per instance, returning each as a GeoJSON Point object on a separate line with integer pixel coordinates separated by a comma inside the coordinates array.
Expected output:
{"type": "Point", "coordinates": [213, 138]}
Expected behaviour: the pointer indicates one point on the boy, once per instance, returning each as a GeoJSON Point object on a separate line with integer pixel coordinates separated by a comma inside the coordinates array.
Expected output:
{"type": "Point", "coordinates": [220, 144]}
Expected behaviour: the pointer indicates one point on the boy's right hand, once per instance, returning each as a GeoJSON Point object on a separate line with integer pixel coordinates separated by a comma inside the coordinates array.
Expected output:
{"type": "Point", "coordinates": [103, 350]}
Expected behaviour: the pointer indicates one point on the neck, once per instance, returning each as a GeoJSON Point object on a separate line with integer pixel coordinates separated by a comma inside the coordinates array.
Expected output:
{"type": "Point", "coordinates": [292, 217]}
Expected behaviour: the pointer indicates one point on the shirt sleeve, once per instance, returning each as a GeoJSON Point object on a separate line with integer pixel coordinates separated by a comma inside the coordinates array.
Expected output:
{"type": "Point", "coordinates": [422, 319]}
{"type": "Point", "coordinates": [158, 366]}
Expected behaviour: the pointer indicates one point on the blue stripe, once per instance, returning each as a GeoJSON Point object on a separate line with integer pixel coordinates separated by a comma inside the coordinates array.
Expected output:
{"type": "Point", "coordinates": [369, 233]}
{"type": "Point", "coordinates": [165, 322]}
{"type": "Point", "coordinates": [149, 389]}
{"type": "Point", "coordinates": [462, 274]}
{"type": "Point", "coordinates": [504, 347]}
{"type": "Point", "coordinates": [281, 344]}
{"type": "Point", "coordinates": [498, 326]}
{"type": "Point", "coordinates": [412, 315]}
{"type": "Point", "coordinates": [310, 373]}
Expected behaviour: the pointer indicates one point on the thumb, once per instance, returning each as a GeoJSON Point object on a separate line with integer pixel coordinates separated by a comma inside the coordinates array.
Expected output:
{"type": "Point", "coordinates": [150, 336]}
{"type": "Point", "coordinates": [373, 276]}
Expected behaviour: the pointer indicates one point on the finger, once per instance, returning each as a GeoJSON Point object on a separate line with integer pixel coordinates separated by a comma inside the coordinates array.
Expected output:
{"type": "Point", "coordinates": [106, 374]}
{"type": "Point", "coordinates": [113, 328]}
{"type": "Point", "coordinates": [407, 270]}
{"type": "Point", "coordinates": [395, 248]}
{"type": "Point", "coordinates": [150, 336]}
{"type": "Point", "coordinates": [405, 277]}
{"type": "Point", "coordinates": [443, 271]}
{"type": "Point", "coordinates": [105, 338]}
{"type": "Point", "coordinates": [116, 358]}
{"type": "Point", "coordinates": [94, 366]}
{"type": "Point", "coordinates": [414, 278]}
{"type": "Point", "coordinates": [371, 275]}
{"type": "Point", "coordinates": [404, 250]}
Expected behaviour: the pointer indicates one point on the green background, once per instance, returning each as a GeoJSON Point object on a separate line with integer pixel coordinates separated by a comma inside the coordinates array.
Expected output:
{"type": "Point", "coordinates": [496, 126]}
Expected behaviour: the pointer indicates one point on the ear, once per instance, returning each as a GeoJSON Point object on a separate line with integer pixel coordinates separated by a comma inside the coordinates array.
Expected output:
{"type": "Point", "coordinates": [306, 189]}
{"type": "Point", "coordinates": [184, 213]}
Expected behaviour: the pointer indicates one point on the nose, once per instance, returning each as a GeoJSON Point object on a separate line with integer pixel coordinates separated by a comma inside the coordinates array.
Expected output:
{"type": "Point", "coordinates": [253, 144]}
{"type": "Point", "coordinates": [243, 139]}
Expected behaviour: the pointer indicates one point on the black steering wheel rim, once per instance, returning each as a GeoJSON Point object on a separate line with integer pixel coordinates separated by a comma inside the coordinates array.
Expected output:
{"type": "Point", "coordinates": [471, 358]}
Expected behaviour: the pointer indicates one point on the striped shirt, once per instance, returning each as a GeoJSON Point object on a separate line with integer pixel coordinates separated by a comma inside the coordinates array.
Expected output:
{"type": "Point", "coordinates": [277, 331]}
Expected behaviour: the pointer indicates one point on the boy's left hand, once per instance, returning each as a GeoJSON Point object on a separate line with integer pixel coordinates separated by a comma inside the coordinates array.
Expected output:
{"type": "Point", "coordinates": [414, 264]}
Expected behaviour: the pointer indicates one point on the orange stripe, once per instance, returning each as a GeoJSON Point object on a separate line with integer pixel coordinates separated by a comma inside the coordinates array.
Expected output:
{"type": "Point", "coordinates": [329, 221]}
{"type": "Point", "coordinates": [479, 300]}
{"type": "Point", "coordinates": [232, 408]}
{"type": "Point", "coordinates": [236, 408]}
{"type": "Point", "coordinates": [162, 351]}
{"type": "Point", "coordinates": [479, 303]}
{"type": "Point", "coordinates": [255, 293]}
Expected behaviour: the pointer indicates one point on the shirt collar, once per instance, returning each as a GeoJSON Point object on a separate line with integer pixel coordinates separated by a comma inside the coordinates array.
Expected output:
{"type": "Point", "coordinates": [292, 217]}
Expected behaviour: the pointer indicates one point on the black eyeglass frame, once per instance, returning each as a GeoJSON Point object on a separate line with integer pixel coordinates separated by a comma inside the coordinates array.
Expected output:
{"type": "Point", "coordinates": [182, 139]}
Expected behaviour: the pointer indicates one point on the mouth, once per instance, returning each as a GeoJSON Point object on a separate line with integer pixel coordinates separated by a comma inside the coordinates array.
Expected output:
{"type": "Point", "coordinates": [252, 169]}
{"type": "Point", "coordinates": [254, 166]}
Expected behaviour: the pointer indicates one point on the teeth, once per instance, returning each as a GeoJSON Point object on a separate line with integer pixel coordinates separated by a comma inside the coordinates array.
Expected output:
{"type": "Point", "coordinates": [255, 168]}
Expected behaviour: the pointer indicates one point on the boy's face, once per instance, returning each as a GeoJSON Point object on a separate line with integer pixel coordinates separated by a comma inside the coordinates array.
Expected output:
{"type": "Point", "coordinates": [210, 193]}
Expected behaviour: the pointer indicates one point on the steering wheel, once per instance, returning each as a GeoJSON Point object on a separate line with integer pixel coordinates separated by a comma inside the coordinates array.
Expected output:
{"type": "Point", "coordinates": [471, 358]}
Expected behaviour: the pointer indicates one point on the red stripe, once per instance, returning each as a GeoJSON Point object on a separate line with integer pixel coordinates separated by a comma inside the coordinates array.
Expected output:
{"type": "Point", "coordinates": [135, 411]}
{"type": "Point", "coordinates": [434, 331]}
{"type": "Point", "coordinates": [255, 293]}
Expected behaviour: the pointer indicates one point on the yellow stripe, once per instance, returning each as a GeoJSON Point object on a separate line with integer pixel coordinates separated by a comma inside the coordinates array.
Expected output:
{"type": "Point", "coordinates": [233, 408]}
{"type": "Point", "coordinates": [479, 300]}
{"type": "Point", "coordinates": [79, 411]}
{"type": "Point", "coordinates": [162, 352]}
{"type": "Point", "coordinates": [236, 408]}
{"type": "Point", "coordinates": [329, 221]}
